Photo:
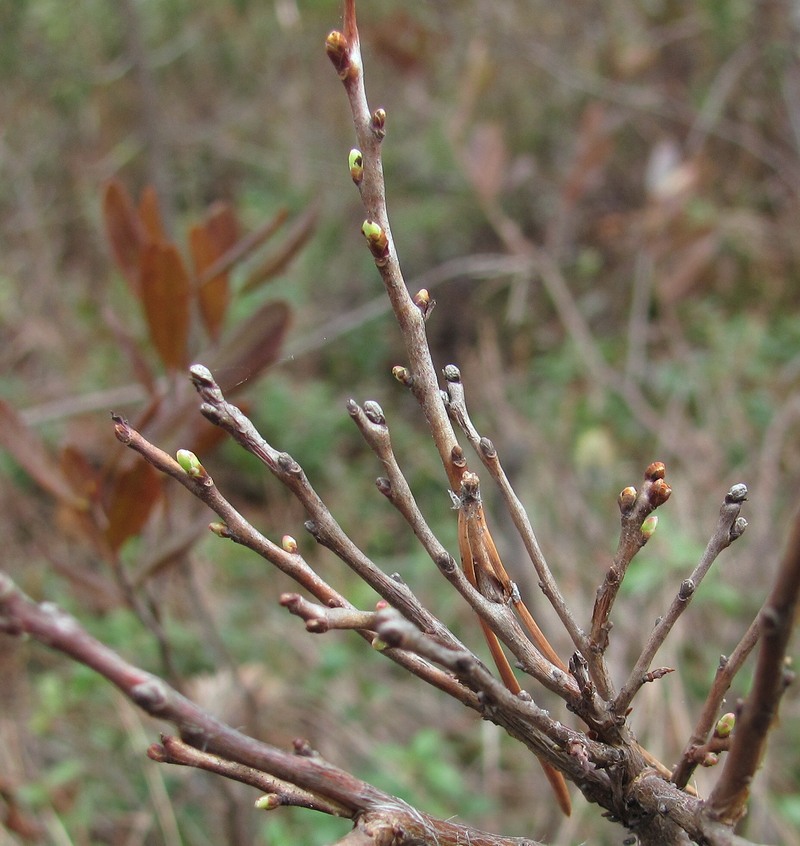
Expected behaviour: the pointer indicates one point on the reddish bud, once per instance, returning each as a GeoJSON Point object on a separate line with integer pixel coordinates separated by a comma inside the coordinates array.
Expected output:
{"type": "Point", "coordinates": [626, 499]}
{"type": "Point", "coordinates": [656, 470]}
{"type": "Point", "coordinates": [378, 123]}
{"type": "Point", "coordinates": [659, 493]}
{"type": "Point", "coordinates": [424, 302]}
{"type": "Point", "coordinates": [338, 50]}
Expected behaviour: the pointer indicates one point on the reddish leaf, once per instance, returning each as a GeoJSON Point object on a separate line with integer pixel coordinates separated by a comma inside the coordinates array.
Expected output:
{"type": "Point", "coordinates": [165, 296]}
{"type": "Point", "coordinates": [29, 451]}
{"type": "Point", "coordinates": [82, 476]}
{"type": "Point", "coordinates": [150, 215]}
{"type": "Point", "coordinates": [255, 345]}
{"type": "Point", "coordinates": [274, 264]}
{"type": "Point", "coordinates": [135, 493]}
{"type": "Point", "coordinates": [209, 243]}
{"type": "Point", "coordinates": [124, 230]}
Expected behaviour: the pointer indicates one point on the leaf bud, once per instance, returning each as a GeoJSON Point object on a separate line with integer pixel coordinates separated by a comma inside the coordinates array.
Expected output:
{"type": "Point", "coordinates": [377, 241]}
{"type": "Point", "coordinates": [424, 302]}
{"type": "Point", "coordinates": [289, 544]}
{"type": "Point", "coordinates": [648, 527]}
{"type": "Point", "coordinates": [725, 725]}
{"type": "Point", "coordinates": [737, 529]}
{"type": "Point", "coordinates": [190, 463]}
{"type": "Point", "coordinates": [378, 123]}
{"type": "Point", "coordinates": [338, 50]}
{"type": "Point", "coordinates": [220, 530]}
{"type": "Point", "coordinates": [356, 163]}
{"type": "Point", "coordinates": [268, 802]}
{"type": "Point", "coordinates": [659, 492]}
{"type": "Point", "coordinates": [738, 493]}
{"type": "Point", "coordinates": [402, 374]}
{"type": "Point", "coordinates": [626, 499]}
{"type": "Point", "coordinates": [710, 759]}
{"type": "Point", "coordinates": [379, 645]}
{"type": "Point", "coordinates": [654, 471]}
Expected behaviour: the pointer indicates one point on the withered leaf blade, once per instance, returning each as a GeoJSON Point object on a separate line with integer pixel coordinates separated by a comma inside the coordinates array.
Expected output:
{"type": "Point", "coordinates": [125, 232]}
{"type": "Point", "coordinates": [254, 346]}
{"type": "Point", "coordinates": [165, 296]}
{"type": "Point", "coordinates": [136, 491]}
{"type": "Point", "coordinates": [209, 242]}
{"type": "Point", "coordinates": [297, 237]}
{"type": "Point", "coordinates": [150, 215]}
{"type": "Point", "coordinates": [30, 452]}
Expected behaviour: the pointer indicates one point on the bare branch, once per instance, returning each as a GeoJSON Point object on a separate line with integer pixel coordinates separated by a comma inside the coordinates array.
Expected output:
{"type": "Point", "coordinates": [488, 454]}
{"type": "Point", "coordinates": [172, 750]}
{"type": "Point", "coordinates": [729, 527]}
{"type": "Point", "coordinates": [776, 621]}
{"type": "Point", "coordinates": [726, 672]}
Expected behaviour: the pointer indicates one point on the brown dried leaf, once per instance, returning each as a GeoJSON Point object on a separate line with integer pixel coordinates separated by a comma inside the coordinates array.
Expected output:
{"type": "Point", "coordinates": [125, 232]}
{"type": "Point", "coordinates": [150, 215]}
{"type": "Point", "coordinates": [165, 296]}
{"type": "Point", "coordinates": [136, 491]}
{"type": "Point", "coordinates": [296, 239]}
{"type": "Point", "coordinates": [30, 452]}
{"type": "Point", "coordinates": [209, 242]}
{"type": "Point", "coordinates": [252, 348]}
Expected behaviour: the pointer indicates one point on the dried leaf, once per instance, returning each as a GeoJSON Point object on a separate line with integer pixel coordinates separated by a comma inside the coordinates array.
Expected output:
{"type": "Point", "coordinates": [136, 491]}
{"type": "Point", "coordinates": [210, 241]}
{"type": "Point", "coordinates": [165, 295]}
{"type": "Point", "coordinates": [486, 159]}
{"type": "Point", "coordinates": [296, 239]}
{"type": "Point", "coordinates": [30, 452]}
{"type": "Point", "coordinates": [125, 232]}
{"type": "Point", "coordinates": [150, 215]}
{"type": "Point", "coordinates": [252, 348]}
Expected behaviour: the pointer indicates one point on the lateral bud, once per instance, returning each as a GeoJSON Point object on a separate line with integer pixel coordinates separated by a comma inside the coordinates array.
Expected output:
{"type": "Point", "coordinates": [626, 499]}
{"type": "Point", "coordinates": [356, 163]}
{"type": "Point", "coordinates": [289, 544]}
{"type": "Point", "coordinates": [424, 302]}
{"type": "Point", "coordinates": [220, 530]}
{"type": "Point", "coordinates": [659, 492]}
{"type": "Point", "coordinates": [656, 470]}
{"type": "Point", "coordinates": [648, 527]}
{"type": "Point", "coordinates": [190, 464]}
{"type": "Point", "coordinates": [338, 49]}
{"type": "Point", "coordinates": [378, 124]}
{"type": "Point", "coordinates": [725, 725]}
{"type": "Point", "coordinates": [403, 375]}
{"type": "Point", "coordinates": [377, 241]}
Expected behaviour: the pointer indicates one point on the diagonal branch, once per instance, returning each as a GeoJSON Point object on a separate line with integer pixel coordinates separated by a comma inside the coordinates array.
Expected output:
{"type": "Point", "coordinates": [776, 621]}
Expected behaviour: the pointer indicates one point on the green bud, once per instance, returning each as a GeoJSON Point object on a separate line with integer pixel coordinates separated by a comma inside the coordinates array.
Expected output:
{"type": "Point", "coordinates": [377, 241]}
{"type": "Point", "coordinates": [711, 759]}
{"type": "Point", "coordinates": [649, 526]}
{"type": "Point", "coordinates": [268, 802]}
{"type": "Point", "coordinates": [356, 162]}
{"type": "Point", "coordinates": [725, 725]}
{"type": "Point", "coordinates": [379, 645]}
{"type": "Point", "coordinates": [190, 463]}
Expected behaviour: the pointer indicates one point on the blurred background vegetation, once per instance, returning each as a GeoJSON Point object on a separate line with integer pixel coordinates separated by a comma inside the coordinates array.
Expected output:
{"type": "Point", "coordinates": [603, 199]}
